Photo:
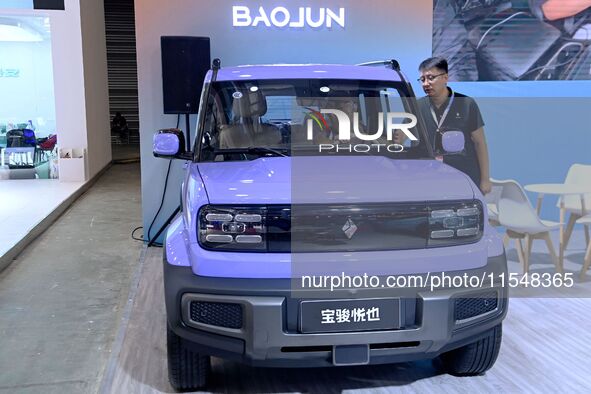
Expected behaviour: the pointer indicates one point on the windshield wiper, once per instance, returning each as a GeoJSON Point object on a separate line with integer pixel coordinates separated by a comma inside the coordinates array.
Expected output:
{"type": "Point", "coordinates": [255, 150]}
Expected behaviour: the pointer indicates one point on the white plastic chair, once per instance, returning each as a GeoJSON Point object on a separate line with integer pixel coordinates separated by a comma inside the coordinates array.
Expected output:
{"type": "Point", "coordinates": [492, 204]}
{"type": "Point", "coordinates": [577, 174]}
{"type": "Point", "coordinates": [520, 219]}
{"type": "Point", "coordinates": [586, 220]}
{"type": "Point", "coordinates": [492, 200]}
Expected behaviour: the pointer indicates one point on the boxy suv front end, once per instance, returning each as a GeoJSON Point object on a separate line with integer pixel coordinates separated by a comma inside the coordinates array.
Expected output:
{"type": "Point", "coordinates": [318, 229]}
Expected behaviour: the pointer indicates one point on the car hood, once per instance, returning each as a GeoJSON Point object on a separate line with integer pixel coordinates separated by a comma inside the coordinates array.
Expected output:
{"type": "Point", "coordinates": [333, 179]}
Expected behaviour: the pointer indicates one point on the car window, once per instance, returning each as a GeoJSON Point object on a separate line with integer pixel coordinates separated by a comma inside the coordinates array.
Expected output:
{"type": "Point", "coordinates": [301, 116]}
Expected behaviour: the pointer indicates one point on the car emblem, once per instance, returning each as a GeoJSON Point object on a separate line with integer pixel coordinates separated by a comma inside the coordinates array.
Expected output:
{"type": "Point", "coordinates": [349, 228]}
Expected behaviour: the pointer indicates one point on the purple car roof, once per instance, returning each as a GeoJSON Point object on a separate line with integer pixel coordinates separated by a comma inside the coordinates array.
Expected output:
{"type": "Point", "coordinates": [306, 71]}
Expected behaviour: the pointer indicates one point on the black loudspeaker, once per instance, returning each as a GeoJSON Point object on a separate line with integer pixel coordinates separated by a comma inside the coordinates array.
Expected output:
{"type": "Point", "coordinates": [185, 61]}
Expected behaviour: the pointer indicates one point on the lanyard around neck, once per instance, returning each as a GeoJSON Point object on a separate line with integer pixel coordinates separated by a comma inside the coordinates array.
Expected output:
{"type": "Point", "coordinates": [439, 122]}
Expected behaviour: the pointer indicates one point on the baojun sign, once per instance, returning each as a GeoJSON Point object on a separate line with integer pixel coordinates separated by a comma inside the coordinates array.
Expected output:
{"type": "Point", "coordinates": [281, 17]}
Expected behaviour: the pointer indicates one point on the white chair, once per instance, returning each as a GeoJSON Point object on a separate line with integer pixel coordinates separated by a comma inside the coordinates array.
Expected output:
{"type": "Point", "coordinates": [492, 201]}
{"type": "Point", "coordinates": [520, 219]}
{"type": "Point", "coordinates": [577, 174]}
{"type": "Point", "coordinates": [492, 204]}
{"type": "Point", "coordinates": [586, 220]}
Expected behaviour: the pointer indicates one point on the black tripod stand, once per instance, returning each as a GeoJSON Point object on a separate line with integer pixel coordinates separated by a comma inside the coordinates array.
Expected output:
{"type": "Point", "coordinates": [164, 226]}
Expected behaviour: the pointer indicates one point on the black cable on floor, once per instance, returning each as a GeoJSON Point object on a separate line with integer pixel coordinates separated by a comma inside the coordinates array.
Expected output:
{"type": "Point", "coordinates": [141, 237]}
{"type": "Point", "coordinates": [136, 238]}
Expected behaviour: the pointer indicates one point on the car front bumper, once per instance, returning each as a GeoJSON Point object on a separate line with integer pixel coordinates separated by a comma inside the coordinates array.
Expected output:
{"type": "Point", "coordinates": [269, 333]}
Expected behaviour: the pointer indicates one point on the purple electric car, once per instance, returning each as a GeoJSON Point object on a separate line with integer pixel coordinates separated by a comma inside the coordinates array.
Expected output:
{"type": "Point", "coordinates": [317, 228]}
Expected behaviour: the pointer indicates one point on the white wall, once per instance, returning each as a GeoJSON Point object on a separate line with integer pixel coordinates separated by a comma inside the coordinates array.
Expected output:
{"type": "Point", "coordinates": [94, 52]}
{"type": "Point", "coordinates": [68, 76]}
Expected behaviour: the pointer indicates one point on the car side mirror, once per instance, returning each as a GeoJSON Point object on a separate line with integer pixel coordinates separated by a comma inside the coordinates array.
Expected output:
{"type": "Point", "coordinates": [170, 144]}
{"type": "Point", "coordinates": [453, 141]}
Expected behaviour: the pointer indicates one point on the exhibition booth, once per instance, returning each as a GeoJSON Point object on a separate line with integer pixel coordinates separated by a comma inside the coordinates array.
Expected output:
{"type": "Point", "coordinates": [254, 227]}
{"type": "Point", "coordinates": [54, 120]}
{"type": "Point", "coordinates": [27, 130]}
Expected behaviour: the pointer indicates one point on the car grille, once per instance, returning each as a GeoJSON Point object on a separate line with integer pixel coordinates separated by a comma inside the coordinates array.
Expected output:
{"type": "Point", "coordinates": [478, 304]}
{"type": "Point", "coordinates": [338, 228]}
{"type": "Point", "coordinates": [216, 314]}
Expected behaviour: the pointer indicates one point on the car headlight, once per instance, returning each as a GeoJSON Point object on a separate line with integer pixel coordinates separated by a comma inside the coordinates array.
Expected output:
{"type": "Point", "coordinates": [269, 228]}
{"type": "Point", "coordinates": [455, 223]}
{"type": "Point", "coordinates": [232, 228]}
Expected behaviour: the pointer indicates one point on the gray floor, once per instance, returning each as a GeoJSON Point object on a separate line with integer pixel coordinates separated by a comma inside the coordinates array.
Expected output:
{"type": "Point", "coordinates": [61, 301]}
{"type": "Point", "coordinates": [125, 152]}
{"type": "Point", "coordinates": [81, 312]}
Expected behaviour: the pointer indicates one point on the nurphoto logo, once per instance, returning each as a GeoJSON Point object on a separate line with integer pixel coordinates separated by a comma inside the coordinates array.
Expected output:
{"type": "Point", "coordinates": [344, 131]}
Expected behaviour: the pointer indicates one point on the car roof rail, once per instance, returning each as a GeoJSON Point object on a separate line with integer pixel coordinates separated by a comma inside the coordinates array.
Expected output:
{"type": "Point", "coordinates": [393, 63]}
{"type": "Point", "coordinates": [215, 66]}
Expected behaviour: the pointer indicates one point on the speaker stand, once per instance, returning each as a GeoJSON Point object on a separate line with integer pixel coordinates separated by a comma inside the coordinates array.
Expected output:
{"type": "Point", "coordinates": [188, 135]}
{"type": "Point", "coordinates": [164, 226]}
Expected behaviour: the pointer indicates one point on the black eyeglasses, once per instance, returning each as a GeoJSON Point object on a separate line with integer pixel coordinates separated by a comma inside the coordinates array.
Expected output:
{"type": "Point", "coordinates": [430, 78]}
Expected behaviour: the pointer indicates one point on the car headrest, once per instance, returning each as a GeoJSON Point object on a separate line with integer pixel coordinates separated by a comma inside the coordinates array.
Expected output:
{"type": "Point", "coordinates": [249, 104]}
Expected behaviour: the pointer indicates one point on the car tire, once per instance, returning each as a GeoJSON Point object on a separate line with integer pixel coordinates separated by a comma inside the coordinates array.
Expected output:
{"type": "Point", "coordinates": [475, 358]}
{"type": "Point", "coordinates": [187, 369]}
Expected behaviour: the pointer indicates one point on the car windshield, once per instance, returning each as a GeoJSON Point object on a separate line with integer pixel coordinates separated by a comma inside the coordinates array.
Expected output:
{"type": "Point", "coordinates": [248, 119]}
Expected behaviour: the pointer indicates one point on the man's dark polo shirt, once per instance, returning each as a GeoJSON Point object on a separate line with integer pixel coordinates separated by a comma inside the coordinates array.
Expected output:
{"type": "Point", "coordinates": [464, 115]}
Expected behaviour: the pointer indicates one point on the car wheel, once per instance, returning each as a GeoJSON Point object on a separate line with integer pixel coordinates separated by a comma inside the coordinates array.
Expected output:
{"type": "Point", "coordinates": [475, 358]}
{"type": "Point", "coordinates": [187, 369]}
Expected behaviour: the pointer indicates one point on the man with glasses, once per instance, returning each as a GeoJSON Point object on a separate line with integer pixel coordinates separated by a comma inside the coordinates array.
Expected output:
{"type": "Point", "coordinates": [443, 110]}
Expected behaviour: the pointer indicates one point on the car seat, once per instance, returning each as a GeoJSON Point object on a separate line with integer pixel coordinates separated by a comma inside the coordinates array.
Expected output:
{"type": "Point", "coordinates": [247, 129]}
